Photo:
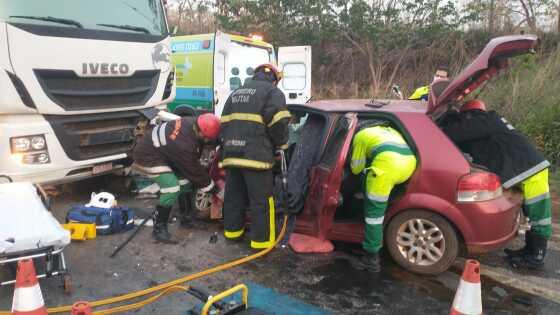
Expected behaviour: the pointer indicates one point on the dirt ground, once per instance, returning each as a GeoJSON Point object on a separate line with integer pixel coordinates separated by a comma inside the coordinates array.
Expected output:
{"type": "Point", "coordinates": [328, 281]}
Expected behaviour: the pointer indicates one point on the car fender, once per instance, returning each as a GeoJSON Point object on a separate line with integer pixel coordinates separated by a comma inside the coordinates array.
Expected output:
{"type": "Point", "coordinates": [434, 204]}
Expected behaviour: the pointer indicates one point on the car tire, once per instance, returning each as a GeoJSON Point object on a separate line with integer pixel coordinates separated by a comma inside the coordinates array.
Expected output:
{"type": "Point", "coordinates": [421, 241]}
{"type": "Point", "coordinates": [201, 202]}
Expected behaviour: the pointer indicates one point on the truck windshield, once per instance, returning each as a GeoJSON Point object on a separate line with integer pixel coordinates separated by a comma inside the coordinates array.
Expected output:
{"type": "Point", "coordinates": [134, 16]}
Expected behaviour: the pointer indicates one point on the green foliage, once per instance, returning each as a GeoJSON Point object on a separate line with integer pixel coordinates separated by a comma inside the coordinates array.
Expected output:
{"type": "Point", "coordinates": [528, 96]}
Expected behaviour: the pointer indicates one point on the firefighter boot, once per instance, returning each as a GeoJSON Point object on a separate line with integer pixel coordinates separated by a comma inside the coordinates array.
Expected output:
{"type": "Point", "coordinates": [370, 262]}
{"type": "Point", "coordinates": [511, 253]}
{"type": "Point", "coordinates": [533, 258]}
{"type": "Point", "coordinates": [185, 210]}
{"type": "Point", "coordinates": [160, 232]}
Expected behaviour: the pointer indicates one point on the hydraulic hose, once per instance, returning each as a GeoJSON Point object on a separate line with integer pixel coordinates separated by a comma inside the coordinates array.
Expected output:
{"type": "Point", "coordinates": [167, 287]}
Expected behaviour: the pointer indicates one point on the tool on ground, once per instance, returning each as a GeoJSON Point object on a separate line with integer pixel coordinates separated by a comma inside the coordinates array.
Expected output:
{"type": "Point", "coordinates": [81, 308]}
{"type": "Point", "coordinates": [229, 308]}
{"type": "Point", "coordinates": [129, 238]}
{"type": "Point", "coordinates": [28, 298]}
{"type": "Point", "coordinates": [81, 231]}
{"type": "Point", "coordinates": [164, 288]}
{"type": "Point", "coordinates": [468, 300]}
{"type": "Point", "coordinates": [282, 199]}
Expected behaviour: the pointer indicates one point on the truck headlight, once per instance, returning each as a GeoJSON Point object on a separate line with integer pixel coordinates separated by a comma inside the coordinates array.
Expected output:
{"type": "Point", "coordinates": [38, 143]}
{"type": "Point", "coordinates": [22, 144]}
{"type": "Point", "coordinates": [30, 149]}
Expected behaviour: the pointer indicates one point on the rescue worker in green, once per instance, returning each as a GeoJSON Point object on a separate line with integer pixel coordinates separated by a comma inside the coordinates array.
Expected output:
{"type": "Point", "coordinates": [494, 143]}
{"type": "Point", "coordinates": [422, 93]}
{"type": "Point", "coordinates": [254, 127]}
{"type": "Point", "coordinates": [384, 158]}
{"type": "Point", "coordinates": [170, 153]}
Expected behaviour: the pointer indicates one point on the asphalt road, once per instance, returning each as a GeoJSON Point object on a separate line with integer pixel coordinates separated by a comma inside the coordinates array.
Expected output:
{"type": "Point", "coordinates": [328, 281]}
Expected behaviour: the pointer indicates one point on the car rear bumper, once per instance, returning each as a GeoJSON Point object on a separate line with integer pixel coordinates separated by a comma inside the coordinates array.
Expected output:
{"type": "Point", "coordinates": [495, 223]}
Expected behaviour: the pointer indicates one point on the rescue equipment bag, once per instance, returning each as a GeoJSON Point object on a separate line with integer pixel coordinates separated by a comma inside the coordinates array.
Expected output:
{"type": "Point", "coordinates": [107, 221]}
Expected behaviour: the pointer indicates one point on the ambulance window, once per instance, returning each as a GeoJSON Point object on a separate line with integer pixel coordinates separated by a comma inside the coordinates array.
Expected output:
{"type": "Point", "coordinates": [294, 76]}
{"type": "Point", "coordinates": [220, 69]}
{"type": "Point", "coordinates": [234, 83]}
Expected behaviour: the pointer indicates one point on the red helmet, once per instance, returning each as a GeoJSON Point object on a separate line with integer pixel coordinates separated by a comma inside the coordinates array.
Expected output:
{"type": "Point", "coordinates": [209, 125]}
{"type": "Point", "coordinates": [473, 105]}
{"type": "Point", "coordinates": [268, 67]}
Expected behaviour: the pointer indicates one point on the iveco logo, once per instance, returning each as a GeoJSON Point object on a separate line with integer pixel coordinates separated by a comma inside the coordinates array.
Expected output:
{"type": "Point", "coordinates": [104, 68]}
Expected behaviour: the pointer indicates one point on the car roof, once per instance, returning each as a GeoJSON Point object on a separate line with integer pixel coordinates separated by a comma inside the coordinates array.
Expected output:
{"type": "Point", "coordinates": [359, 106]}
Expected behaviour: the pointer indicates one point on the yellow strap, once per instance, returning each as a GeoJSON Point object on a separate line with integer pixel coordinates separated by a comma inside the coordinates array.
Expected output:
{"type": "Point", "coordinates": [246, 163]}
{"type": "Point", "coordinates": [279, 116]}
{"type": "Point", "coordinates": [242, 116]}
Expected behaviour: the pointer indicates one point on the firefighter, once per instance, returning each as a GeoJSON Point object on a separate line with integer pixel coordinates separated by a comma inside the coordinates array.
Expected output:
{"type": "Point", "coordinates": [493, 142]}
{"type": "Point", "coordinates": [422, 93]}
{"type": "Point", "coordinates": [382, 155]}
{"type": "Point", "coordinates": [254, 127]}
{"type": "Point", "coordinates": [170, 154]}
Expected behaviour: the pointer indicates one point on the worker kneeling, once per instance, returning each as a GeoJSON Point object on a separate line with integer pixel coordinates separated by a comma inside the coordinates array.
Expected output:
{"type": "Point", "coordinates": [384, 158]}
{"type": "Point", "coordinates": [170, 154]}
{"type": "Point", "coordinates": [254, 127]}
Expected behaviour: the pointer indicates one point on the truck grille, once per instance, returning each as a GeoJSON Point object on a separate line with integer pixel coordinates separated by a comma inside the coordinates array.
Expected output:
{"type": "Point", "coordinates": [96, 135]}
{"type": "Point", "coordinates": [71, 92]}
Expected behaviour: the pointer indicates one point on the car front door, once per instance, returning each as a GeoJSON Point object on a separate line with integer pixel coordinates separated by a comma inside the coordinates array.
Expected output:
{"type": "Point", "coordinates": [324, 193]}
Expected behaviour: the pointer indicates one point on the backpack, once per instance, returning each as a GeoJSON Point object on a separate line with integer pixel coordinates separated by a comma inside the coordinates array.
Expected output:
{"type": "Point", "coordinates": [107, 220]}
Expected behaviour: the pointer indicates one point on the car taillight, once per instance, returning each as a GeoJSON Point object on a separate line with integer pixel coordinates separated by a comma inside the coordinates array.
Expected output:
{"type": "Point", "coordinates": [480, 186]}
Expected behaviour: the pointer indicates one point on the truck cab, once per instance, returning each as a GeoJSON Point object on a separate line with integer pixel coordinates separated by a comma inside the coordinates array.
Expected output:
{"type": "Point", "coordinates": [75, 77]}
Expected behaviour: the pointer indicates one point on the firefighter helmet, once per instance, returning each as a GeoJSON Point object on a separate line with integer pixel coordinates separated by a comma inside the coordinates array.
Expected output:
{"type": "Point", "coordinates": [475, 104]}
{"type": "Point", "coordinates": [269, 68]}
{"type": "Point", "coordinates": [209, 125]}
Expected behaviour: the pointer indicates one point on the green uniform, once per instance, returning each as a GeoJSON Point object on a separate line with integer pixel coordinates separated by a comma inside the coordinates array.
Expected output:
{"type": "Point", "coordinates": [384, 156]}
{"type": "Point", "coordinates": [538, 204]}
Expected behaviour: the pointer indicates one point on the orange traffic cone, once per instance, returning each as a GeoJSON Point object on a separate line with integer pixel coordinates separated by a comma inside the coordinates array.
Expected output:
{"type": "Point", "coordinates": [28, 299]}
{"type": "Point", "coordinates": [468, 300]}
{"type": "Point", "coordinates": [81, 308]}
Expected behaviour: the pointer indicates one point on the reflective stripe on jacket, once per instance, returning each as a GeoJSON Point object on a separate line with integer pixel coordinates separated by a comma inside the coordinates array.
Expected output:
{"type": "Point", "coordinates": [254, 125]}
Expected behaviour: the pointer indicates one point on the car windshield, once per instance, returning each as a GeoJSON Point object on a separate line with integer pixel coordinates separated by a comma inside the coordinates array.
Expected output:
{"type": "Point", "coordinates": [134, 16]}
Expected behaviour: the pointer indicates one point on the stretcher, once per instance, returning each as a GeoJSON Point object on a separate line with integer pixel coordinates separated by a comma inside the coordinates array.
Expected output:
{"type": "Point", "coordinates": [29, 231]}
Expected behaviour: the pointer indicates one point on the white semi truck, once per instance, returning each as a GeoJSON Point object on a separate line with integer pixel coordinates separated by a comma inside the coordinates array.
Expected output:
{"type": "Point", "coordinates": [78, 79]}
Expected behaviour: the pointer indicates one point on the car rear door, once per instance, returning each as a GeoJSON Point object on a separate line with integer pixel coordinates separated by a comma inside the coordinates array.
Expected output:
{"type": "Point", "coordinates": [295, 63]}
{"type": "Point", "coordinates": [323, 198]}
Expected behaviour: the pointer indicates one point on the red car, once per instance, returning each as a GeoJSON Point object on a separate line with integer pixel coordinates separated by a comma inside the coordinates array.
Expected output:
{"type": "Point", "coordinates": [447, 202]}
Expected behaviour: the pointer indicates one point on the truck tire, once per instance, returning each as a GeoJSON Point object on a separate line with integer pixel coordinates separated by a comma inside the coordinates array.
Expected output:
{"type": "Point", "coordinates": [422, 241]}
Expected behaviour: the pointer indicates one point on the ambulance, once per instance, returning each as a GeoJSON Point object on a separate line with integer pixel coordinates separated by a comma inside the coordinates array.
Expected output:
{"type": "Point", "coordinates": [210, 66]}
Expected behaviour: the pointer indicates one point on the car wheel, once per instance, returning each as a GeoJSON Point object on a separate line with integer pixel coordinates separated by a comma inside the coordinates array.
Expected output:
{"type": "Point", "coordinates": [201, 202]}
{"type": "Point", "coordinates": [422, 241]}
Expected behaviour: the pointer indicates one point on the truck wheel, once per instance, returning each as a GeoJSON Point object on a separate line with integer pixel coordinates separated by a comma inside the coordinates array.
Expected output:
{"type": "Point", "coordinates": [422, 241]}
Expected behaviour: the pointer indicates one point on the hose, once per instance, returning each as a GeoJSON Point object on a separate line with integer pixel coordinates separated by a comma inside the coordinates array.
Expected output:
{"type": "Point", "coordinates": [164, 286]}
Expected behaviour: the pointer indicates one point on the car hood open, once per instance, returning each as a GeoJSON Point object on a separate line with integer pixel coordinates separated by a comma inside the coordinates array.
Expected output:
{"type": "Point", "coordinates": [494, 57]}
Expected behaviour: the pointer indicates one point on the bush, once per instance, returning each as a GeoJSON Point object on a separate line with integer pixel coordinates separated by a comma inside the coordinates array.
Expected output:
{"type": "Point", "coordinates": [529, 96]}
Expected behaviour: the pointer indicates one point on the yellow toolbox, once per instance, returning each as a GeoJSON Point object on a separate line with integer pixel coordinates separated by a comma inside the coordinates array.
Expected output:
{"type": "Point", "coordinates": [81, 231]}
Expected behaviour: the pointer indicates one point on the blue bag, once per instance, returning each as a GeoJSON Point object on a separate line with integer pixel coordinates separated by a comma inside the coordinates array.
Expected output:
{"type": "Point", "coordinates": [107, 221]}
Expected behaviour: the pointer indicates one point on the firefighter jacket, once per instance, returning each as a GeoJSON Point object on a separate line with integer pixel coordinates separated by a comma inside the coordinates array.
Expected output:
{"type": "Point", "coordinates": [493, 142]}
{"type": "Point", "coordinates": [420, 93]}
{"type": "Point", "coordinates": [254, 125]}
{"type": "Point", "coordinates": [173, 147]}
